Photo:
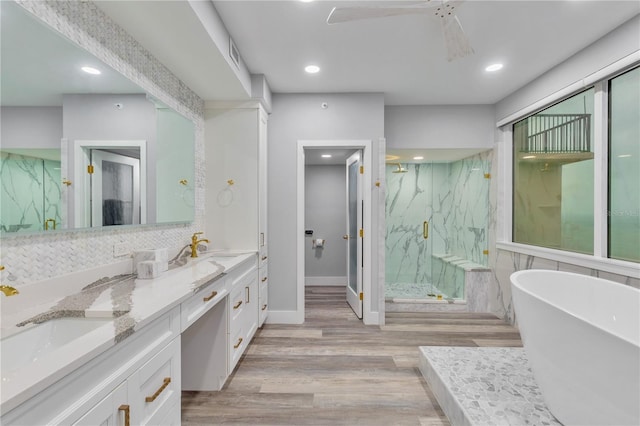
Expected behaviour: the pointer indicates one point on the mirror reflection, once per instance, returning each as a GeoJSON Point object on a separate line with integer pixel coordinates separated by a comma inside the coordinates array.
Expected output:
{"type": "Point", "coordinates": [82, 146]}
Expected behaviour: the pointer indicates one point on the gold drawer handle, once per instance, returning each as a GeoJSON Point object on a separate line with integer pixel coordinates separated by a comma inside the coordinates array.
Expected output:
{"type": "Point", "coordinates": [237, 305]}
{"type": "Point", "coordinates": [264, 279]}
{"type": "Point", "coordinates": [237, 345]}
{"type": "Point", "coordinates": [127, 414]}
{"type": "Point", "coordinates": [211, 296]}
{"type": "Point", "coordinates": [264, 307]}
{"type": "Point", "coordinates": [153, 397]}
{"type": "Point", "coordinates": [425, 230]}
{"type": "Point", "coordinates": [264, 257]}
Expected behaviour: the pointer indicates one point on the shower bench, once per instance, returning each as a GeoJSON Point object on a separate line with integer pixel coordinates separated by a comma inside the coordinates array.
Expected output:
{"type": "Point", "coordinates": [461, 278]}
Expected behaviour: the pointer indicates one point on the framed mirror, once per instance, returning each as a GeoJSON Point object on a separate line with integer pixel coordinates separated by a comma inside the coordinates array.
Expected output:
{"type": "Point", "coordinates": [65, 115]}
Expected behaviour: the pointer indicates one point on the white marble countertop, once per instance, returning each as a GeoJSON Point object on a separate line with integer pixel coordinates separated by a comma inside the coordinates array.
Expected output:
{"type": "Point", "coordinates": [112, 293]}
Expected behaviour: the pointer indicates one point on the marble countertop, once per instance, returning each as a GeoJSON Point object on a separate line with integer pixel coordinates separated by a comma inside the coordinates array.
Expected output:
{"type": "Point", "coordinates": [112, 293]}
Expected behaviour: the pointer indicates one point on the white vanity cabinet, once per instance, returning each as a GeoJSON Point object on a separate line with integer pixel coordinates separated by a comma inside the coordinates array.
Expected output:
{"type": "Point", "coordinates": [243, 309]}
{"type": "Point", "coordinates": [139, 377]}
{"type": "Point", "coordinates": [236, 190]}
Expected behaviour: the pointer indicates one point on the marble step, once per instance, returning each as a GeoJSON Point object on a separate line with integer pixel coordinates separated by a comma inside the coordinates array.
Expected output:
{"type": "Point", "coordinates": [484, 386]}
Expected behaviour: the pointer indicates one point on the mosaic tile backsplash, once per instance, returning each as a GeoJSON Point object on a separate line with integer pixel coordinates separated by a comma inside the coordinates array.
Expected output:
{"type": "Point", "coordinates": [39, 256]}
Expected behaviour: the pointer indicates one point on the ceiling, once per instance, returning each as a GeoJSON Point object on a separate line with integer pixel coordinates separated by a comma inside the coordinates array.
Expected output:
{"type": "Point", "coordinates": [37, 64]}
{"type": "Point", "coordinates": [402, 56]}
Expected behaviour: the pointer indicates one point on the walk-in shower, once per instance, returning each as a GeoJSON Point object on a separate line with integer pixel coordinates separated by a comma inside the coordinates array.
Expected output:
{"type": "Point", "coordinates": [437, 214]}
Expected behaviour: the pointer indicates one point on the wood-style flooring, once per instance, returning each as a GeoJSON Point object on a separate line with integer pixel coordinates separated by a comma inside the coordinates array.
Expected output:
{"type": "Point", "coordinates": [333, 370]}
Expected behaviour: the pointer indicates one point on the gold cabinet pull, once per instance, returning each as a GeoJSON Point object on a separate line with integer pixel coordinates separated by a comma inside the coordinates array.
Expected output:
{"type": "Point", "coordinates": [264, 306]}
{"type": "Point", "coordinates": [237, 345]}
{"type": "Point", "coordinates": [211, 296]}
{"type": "Point", "coordinates": [127, 414]}
{"type": "Point", "coordinates": [153, 397]}
{"type": "Point", "coordinates": [264, 279]}
{"type": "Point", "coordinates": [46, 224]}
{"type": "Point", "coordinates": [425, 230]}
{"type": "Point", "coordinates": [237, 305]}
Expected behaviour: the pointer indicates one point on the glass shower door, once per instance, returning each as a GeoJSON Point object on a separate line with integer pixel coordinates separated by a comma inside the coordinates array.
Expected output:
{"type": "Point", "coordinates": [410, 231]}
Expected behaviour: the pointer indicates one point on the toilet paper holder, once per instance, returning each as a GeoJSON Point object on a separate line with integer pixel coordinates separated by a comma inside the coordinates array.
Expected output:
{"type": "Point", "coordinates": [317, 243]}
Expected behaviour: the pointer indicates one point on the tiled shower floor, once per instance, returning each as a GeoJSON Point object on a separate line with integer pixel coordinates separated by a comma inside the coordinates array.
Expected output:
{"type": "Point", "coordinates": [411, 291]}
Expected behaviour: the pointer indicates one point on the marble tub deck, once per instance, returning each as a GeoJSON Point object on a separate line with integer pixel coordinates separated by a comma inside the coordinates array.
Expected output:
{"type": "Point", "coordinates": [484, 386]}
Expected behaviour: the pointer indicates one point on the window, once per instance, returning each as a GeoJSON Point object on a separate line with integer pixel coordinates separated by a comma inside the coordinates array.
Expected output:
{"type": "Point", "coordinates": [624, 166]}
{"type": "Point", "coordinates": [553, 176]}
{"type": "Point", "coordinates": [556, 203]}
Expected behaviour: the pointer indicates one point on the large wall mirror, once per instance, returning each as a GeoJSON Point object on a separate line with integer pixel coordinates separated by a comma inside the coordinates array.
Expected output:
{"type": "Point", "coordinates": [83, 148]}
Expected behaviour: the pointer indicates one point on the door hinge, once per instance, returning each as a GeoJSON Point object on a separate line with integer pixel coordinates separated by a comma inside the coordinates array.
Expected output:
{"type": "Point", "coordinates": [90, 169]}
{"type": "Point", "coordinates": [361, 170]}
{"type": "Point", "coordinates": [361, 233]}
{"type": "Point", "coordinates": [361, 295]}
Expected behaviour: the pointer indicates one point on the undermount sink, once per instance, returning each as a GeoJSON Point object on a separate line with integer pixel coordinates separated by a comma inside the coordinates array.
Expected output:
{"type": "Point", "coordinates": [36, 342]}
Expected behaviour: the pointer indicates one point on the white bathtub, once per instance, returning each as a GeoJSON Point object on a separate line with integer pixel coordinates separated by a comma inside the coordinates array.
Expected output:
{"type": "Point", "coordinates": [582, 337]}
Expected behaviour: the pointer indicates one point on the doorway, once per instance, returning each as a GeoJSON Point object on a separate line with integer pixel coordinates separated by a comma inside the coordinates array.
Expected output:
{"type": "Point", "coordinates": [362, 296]}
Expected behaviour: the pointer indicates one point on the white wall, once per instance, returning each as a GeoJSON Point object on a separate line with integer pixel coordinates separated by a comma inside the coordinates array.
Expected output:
{"type": "Point", "coordinates": [325, 214]}
{"type": "Point", "coordinates": [31, 127]}
{"type": "Point", "coordinates": [439, 126]}
{"type": "Point", "coordinates": [619, 43]}
{"type": "Point", "coordinates": [300, 117]}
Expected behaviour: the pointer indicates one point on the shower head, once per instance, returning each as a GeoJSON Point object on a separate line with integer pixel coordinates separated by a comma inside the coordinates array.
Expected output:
{"type": "Point", "coordinates": [400, 169]}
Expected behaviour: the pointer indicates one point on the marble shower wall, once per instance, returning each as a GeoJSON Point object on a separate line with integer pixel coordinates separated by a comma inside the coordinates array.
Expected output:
{"type": "Point", "coordinates": [31, 189]}
{"type": "Point", "coordinates": [453, 198]}
{"type": "Point", "coordinates": [36, 257]}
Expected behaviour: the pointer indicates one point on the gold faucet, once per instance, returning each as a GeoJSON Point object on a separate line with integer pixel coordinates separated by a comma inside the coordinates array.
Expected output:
{"type": "Point", "coordinates": [7, 290]}
{"type": "Point", "coordinates": [194, 243]}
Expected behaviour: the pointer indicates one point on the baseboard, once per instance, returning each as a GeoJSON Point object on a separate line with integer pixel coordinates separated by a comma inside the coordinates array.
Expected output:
{"type": "Point", "coordinates": [326, 281]}
{"type": "Point", "coordinates": [285, 317]}
{"type": "Point", "coordinates": [371, 318]}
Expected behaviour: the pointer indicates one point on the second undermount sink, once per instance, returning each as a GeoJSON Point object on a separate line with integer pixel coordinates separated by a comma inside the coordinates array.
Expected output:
{"type": "Point", "coordinates": [36, 342]}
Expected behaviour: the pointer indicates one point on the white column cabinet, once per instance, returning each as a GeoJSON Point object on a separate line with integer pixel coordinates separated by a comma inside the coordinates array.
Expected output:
{"type": "Point", "coordinates": [236, 189]}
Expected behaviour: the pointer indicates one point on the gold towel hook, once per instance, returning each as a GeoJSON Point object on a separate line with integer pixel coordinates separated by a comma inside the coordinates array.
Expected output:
{"type": "Point", "coordinates": [230, 182]}
{"type": "Point", "coordinates": [184, 182]}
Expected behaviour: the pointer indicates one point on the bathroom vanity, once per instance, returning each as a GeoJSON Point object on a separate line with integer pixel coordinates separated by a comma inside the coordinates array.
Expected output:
{"type": "Point", "coordinates": [120, 350]}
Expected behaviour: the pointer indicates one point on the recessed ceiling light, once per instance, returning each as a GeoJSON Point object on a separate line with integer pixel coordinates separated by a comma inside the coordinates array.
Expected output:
{"type": "Point", "coordinates": [306, 1]}
{"type": "Point", "coordinates": [528, 157]}
{"type": "Point", "coordinates": [418, 158]}
{"type": "Point", "coordinates": [624, 155]}
{"type": "Point", "coordinates": [91, 70]}
{"type": "Point", "coordinates": [493, 67]}
{"type": "Point", "coordinates": [326, 155]}
{"type": "Point", "coordinates": [312, 69]}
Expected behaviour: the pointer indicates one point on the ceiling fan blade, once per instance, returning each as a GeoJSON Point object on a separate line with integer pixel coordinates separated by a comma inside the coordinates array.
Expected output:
{"type": "Point", "coordinates": [455, 40]}
{"type": "Point", "coordinates": [346, 14]}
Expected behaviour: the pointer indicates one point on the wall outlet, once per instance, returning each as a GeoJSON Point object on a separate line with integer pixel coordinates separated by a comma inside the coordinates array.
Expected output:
{"type": "Point", "coordinates": [121, 249]}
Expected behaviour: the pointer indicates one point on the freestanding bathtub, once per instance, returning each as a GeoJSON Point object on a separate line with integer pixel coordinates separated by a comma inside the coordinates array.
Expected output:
{"type": "Point", "coordinates": [582, 337]}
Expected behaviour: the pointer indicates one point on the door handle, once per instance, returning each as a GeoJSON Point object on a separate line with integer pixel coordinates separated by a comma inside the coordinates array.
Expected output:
{"type": "Point", "coordinates": [425, 230]}
{"type": "Point", "coordinates": [345, 237]}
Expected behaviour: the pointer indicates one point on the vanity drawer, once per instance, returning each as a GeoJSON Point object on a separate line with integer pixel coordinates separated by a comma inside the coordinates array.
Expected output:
{"type": "Point", "coordinates": [237, 344]}
{"type": "Point", "coordinates": [205, 299]}
{"type": "Point", "coordinates": [264, 274]}
{"type": "Point", "coordinates": [236, 307]}
{"type": "Point", "coordinates": [264, 302]}
{"type": "Point", "coordinates": [264, 256]}
{"type": "Point", "coordinates": [157, 386]}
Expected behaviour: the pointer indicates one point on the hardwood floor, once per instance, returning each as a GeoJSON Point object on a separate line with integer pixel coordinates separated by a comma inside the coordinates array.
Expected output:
{"type": "Point", "coordinates": [333, 370]}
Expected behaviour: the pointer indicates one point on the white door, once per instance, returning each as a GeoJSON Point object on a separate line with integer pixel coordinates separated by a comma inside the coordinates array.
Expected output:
{"type": "Point", "coordinates": [354, 234]}
{"type": "Point", "coordinates": [115, 189]}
